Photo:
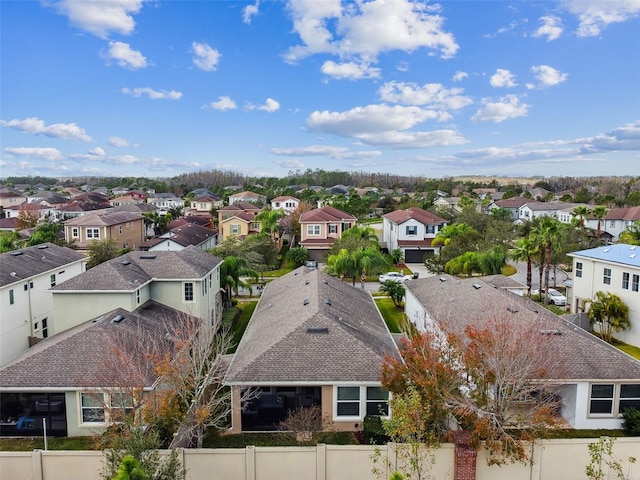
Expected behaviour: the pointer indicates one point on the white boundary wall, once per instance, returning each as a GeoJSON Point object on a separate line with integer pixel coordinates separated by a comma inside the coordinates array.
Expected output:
{"type": "Point", "coordinates": [553, 460]}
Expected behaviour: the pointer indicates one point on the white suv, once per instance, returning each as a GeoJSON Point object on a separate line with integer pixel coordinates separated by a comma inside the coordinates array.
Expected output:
{"type": "Point", "coordinates": [556, 297]}
{"type": "Point", "coordinates": [394, 276]}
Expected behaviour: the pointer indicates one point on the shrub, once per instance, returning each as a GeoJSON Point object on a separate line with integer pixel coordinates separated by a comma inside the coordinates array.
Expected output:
{"type": "Point", "coordinates": [374, 433]}
{"type": "Point", "coordinates": [631, 422]}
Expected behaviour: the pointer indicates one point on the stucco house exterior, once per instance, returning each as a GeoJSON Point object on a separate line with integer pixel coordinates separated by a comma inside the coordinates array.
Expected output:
{"type": "Point", "coordinates": [286, 203]}
{"type": "Point", "coordinates": [596, 380]}
{"type": "Point", "coordinates": [11, 198]}
{"type": "Point", "coordinates": [26, 275]}
{"type": "Point", "coordinates": [66, 380]}
{"type": "Point", "coordinates": [616, 221]}
{"type": "Point", "coordinates": [411, 230]}
{"type": "Point", "coordinates": [512, 205]}
{"type": "Point", "coordinates": [187, 280]}
{"type": "Point", "coordinates": [321, 227]}
{"type": "Point", "coordinates": [239, 225]}
{"type": "Point", "coordinates": [612, 268]}
{"type": "Point", "coordinates": [181, 237]}
{"type": "Point", "coordinates": [125, 228]}
{"type": "Point", "coordinates": [311, 341]}
{"type": "Point", "coordinates": [203, 204]}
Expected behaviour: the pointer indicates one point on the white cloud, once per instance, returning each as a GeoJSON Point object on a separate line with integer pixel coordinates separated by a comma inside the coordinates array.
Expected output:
{"type": "Point", "coordinates": [596, 16]}
{"type": "Point", "coordinates": [250, 11]}
{"type": "Point", "coordinates": [349, 70]}
{"type": "Point", "coordinates": [118, 142]}
{"type": "Point", "coordinates": [433, 95]}
{"type": "Point", "coordinates": [383, 125]}
{"type": "Point", "coordinates": [325, 151]}
{"type": "Point", "coordinates": [50, 154]}
{"type": "Point", "coordinates": [124, 56]}
{"type": "Point", "coordinates": [548, 76]}
{"type": "Point", "coordinates": [223, 103]}
{"type": "Point", "coordinates": [270, 106]}
{"type": "Point", "coordinates": [504, 109]}
{"type": "Point", "coordinates": [502, 78]}
{"type": "Point", "coordinates": [551, 28]}
{"type": "Point", "coordinates": [365, 29]}
{"type": "Point", "coordinates": [289, 163]}
{"type": "Point", "coordinates": [152, 94]}
{"type": "Point", "coordinates": [65, 131]}
{"type": "Point", "coordinates": [100, 17]}
{"type": "Point", "coordinates": [459, 76]}
{"type": "Point", "coordinates": [205, 57]}
{"type": "Point", "coordinates": [512, 26]}
{"type": "Point", "coordinates": [99, 151]}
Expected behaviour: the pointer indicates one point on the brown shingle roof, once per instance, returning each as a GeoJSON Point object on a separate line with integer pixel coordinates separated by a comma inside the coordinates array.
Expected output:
{"type": "Point", "coordinates": [325, 214]}
{"type": "Point", "coordinates": [417, 213]}
{"type": "Point", "coordinates": [114, 218]}
{"type": "Point", "coordinates": [629, 214]}
{"type": "Point", "coordinates": [310, 327]}
{"type": "Point", "coordinates": [456, 303]}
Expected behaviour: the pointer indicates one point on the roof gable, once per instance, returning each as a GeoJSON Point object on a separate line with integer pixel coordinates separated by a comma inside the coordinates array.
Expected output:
{"type": "Point", "coordinates": [416, 213]}
{"type": "Point", "coordinates": [326, 214]}
{"type": "Point", "coordinates": [31, 261]}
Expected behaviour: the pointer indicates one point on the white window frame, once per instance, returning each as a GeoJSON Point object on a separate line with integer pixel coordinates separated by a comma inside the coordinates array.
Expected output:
{"type": "Point", "coordinates": [313, 230]}
{"type": "Point", "coordinates": [92, 404]}
{"type": "Point", "coordinates": [635, 282]}
{"type": "Point", "coordinates": [75, 232]}
{"type": "Point", "coordinates": [579, 269]}
{"type": "Point", "coordinates": [138, 297]}
{"type": "Point", "coordinates": [333, 229]}
{"type": "Point", "coordinates": [235, 229]}
{"type": "Point", "coordinates": [606, 276]}
{"type": "Point", "coordinates": [625, 280]}
{"type": "Point", "coordinates": [52, 279]}
{"type": "Point", "coordinates": [362, 401]}
{"type": "Point", "coordinates": [411, 230]}
{"type": "Point", "coordinates": [615, 399]}
{"type": "Point", "coordinates": [93, 233]}
{"type": "Point", "coordinates": [185, 295]}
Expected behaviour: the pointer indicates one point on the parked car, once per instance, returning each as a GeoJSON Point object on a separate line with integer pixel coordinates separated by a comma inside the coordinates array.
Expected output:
{"type": "Point", "coordinates": [554, 296]}
{"type": "Point", "coordinates": [394, 276]}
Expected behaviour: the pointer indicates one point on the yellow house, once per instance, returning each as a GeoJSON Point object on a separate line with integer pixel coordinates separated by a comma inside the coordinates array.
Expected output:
{"type": "Point", "coordinates": [239, 225]}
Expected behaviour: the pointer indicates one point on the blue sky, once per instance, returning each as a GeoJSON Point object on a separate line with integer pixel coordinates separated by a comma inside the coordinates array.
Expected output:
{"type": "Point", "coordinates": [434, 89]}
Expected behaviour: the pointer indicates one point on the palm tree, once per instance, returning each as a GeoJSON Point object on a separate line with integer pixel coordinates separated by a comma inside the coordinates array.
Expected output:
{"type": "Point", "coordinates": [395, 291]}
{"type": "Point", "coordinates": [599, 212]}
{"type": "Point", "coordinates": [231, 272]}
{"type": "Point", "coordinates": [269, 222]}
{"type": "Point", "coordinates": [608, 310]}
{"type": "Point", "coordinates": [524, 251]}
{"type": "Point", "coordinates": [631, 236]}
{"type": "Point", "coordinates": [362, 233]}
{"type": "Point", "coordinates": [548, 233]}
{"type": "Point", "coordinates": [397, 256]}
{"type": "Point", "coordinates": [342, 264]}
{"type": "Point", "coordinates": [580, 213]}
{"type": "Point", "coordinates": [366, 260]}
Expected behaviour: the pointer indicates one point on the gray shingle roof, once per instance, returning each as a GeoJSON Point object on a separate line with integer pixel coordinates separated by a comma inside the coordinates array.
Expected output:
{"type": "Point", "coordinates": [78, 357]}
{"type": "Point", "coordinates": [310, 327]}
{"type": "Point", "coordinates": [114, 218]}
{"type": "Point", "coordinates": [26, 262]}
{"type": "Point", "coordinates": [456, 303]}
{"type": "Point", "coordinates": [131, 270]}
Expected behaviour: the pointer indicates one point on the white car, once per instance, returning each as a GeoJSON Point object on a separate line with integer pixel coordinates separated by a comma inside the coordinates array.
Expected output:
{"type": "Point", "coordinates": [394, 277]}
{"type": "Point", "coordinates": [556, 297]}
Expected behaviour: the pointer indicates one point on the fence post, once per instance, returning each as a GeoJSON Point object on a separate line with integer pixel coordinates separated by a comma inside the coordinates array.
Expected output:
{"type": "Point", "coordinates": [36, 464]}
{"type": "Point", "coordinates": [250, 462]}
{"type": "Point", "coordinates": [321, 461]}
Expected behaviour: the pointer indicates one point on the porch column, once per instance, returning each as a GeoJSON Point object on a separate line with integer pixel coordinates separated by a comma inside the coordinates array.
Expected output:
{"type": "Point", "coordinates": [465, 457]}
{"type": "Point", "coordinates": [236, 409]}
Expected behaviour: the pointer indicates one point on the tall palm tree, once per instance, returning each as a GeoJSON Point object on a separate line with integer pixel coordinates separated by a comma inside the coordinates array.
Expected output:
{"type": "Point", "coordinates": [524, 251]}
{"type": "Point", "coordinates": [395, 291]}
{"type": "Point", "coordinates": [231, 272]}
{"type": "Point", "coordinates": [270, 222]}
{"type": "Point", "coordinates": [599, 212]}
{"type": "Point", "coordinates": [581, 212]}
{"type": "Point", "coordinates": [610, 312]}
{"type": "Point", "coordinates": [631, 236]}
{"type": "Point", "coordinates": [366, 260]}
{"type": "Point", "coordinates": [548, 233]}
{"type": "Point", "coordinates": [361, 232]}
{"type": "Point", "coordinates": [342, 264]}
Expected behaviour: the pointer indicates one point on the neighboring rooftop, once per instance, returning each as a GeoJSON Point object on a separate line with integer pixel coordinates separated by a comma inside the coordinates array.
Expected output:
{"type": "Point", "coordinates": [416, 213]}
{"type": "Point", "coordinates": [617, 253]}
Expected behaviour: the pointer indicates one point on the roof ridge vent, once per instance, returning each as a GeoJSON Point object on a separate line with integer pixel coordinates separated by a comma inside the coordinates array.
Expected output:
{"type": "Point", "coordinates": [443, 279]}
{"type": "Point", "coordinates": [477, 286]}
{"type": "Point", "coordinates": [550, 331]}
{"type": "Point", "coordinates": [512, 309]}
{"type": "Point", "coordinates": [17, 252]}
{"type": "Point", "coordinates": [327, 300]}
{"type": "Point", "coordinates": [306, 301]}
{"type": "Point", "coordinates": [42, 247]}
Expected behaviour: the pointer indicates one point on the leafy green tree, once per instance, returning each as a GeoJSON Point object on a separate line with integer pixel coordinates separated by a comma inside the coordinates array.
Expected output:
{"type": "Point", "coordinates": [610, 313]}
{"type": "Point", "coordinates": [102, 250]}
{"type": "Point", "coordinates": [397, 256]}
{"type": "Point", "coordinates": [46, 232]}
{"type": "Point", "coordinates": [342, 265]}
{"type": "Point", "coordinates": [524, 251]}
{"type": "Point", "coordinates": [269, 222]}
{"type": "Point", "coordinates": [232, 270]}
{"type": "Point", "coordinates": [631, 236]}
{"type": "Point", "coordinates": [395, 291]}
{"type": "Point", "coordinates": [9, 241]}
{"type": "Point", "coordinates": [298, 255]}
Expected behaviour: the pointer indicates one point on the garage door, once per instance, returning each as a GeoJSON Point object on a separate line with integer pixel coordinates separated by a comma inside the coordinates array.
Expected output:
{"type": "Point", "coordinates": [414, 256]}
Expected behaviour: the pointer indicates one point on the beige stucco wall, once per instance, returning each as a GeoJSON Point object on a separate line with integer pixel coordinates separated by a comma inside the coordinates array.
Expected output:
{"type": "Point", "coordinates": [75, 308]}
{"type": "Point", "coordinates": [553, 460]}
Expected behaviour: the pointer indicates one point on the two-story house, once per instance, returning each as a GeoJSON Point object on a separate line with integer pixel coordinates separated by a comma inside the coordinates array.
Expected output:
{"type": "Point", "coordinates": [250, 197]}
{"type": "Point", "coordinates": [187, 280]}
{"type": "Point", "coordinates": [321, 227]}
{"type": "Point", "coordinates": [165, 202]}
{"type": "Point", "coordinates": [203, 204]}
{"type": "Point", "coordinates": [181, 237]}
{"type": "Point", "coordinates": [125, 228]}
{"type": "Point", "coordinates": [27, 312]}
{"type": "Point", "coordinates": [11, 198]}
{"type": "Point", "coordinates": [614, 269]}
{"type": "Point", "coordinates": [238, 220]}
{"type": "Point", "coordinates": [286, 203]}
{"type": "Point", "coordinates": [412, 231]}
{"type": "Point", "coordinates": [512, 205]}
{"type": "Point", "coordinates": [616, 221]}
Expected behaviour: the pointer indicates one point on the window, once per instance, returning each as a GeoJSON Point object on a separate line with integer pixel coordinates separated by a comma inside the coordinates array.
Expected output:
{"type": "Point", "coordinates": [74, 232]}
{"type": "Point", "coordinates": [412, 230]}
{"type": "Point", "coordinates": [313, 229]}
{"type": "Point", "coordinates": [11, 299]}
{"type": "Point", "coordinates": [204, 288]}
{"type": "Point", "coordinates": [120, 229]}
{"type": "Point", "coordinates": [629, 397]}
{"type": "Point", "coordinates": [26, 287]}
{"type": "Point", "coordinates": [36, 326]}
{"type": "Point", "coordinates": [607, 276]}
{"type": "Point", "coordinates": [138, 296]}
{"type": "Point", "coordinates": [601, 399]}
{"type": "Point", "coordinates": [45, 330]}
{"type": "Point", "coordinates": [431, 229]}
{"type": "Point", "coordinates": [120, 405]}
{"type": "Point", "coordinates": [578, 269]}
{"type": "Point", "coordinates": [625, 280]}
{"type": "Point", "coordinates": [235, 229]}
{"type": "Point", "coordinates": [348, 402]}
{"type": "Point", "coordinates": [188, 291]}
{"type": "Point", "coordinates": [333, 228]}
{"type": "Point", "coordinates": [92, 407]}
{"type": "Point", "coordinates": [53, 279]}
{"type": "Point", "coordinates": [635, 282]}
{"type": "Point", "coordinates": [356, 402]}
{"type": "Point", "coordinates": [93, 233]}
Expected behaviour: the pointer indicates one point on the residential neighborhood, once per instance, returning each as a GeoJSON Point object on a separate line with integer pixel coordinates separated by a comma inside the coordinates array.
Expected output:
{"type": "Point", "coordinates": [313, 266]}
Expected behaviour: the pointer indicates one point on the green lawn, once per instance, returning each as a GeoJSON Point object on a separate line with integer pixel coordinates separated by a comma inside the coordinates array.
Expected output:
{"type": "Point", "coordinates": [28, 444]}
{"type": "Point", "coordinates": [241, 321]}
{"type": "Point", "coordinates": [392, 316]}
{"type": "Point", "coordinates": [274, 439]}
{"type": "Point", "coordinates": [628, 349]}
